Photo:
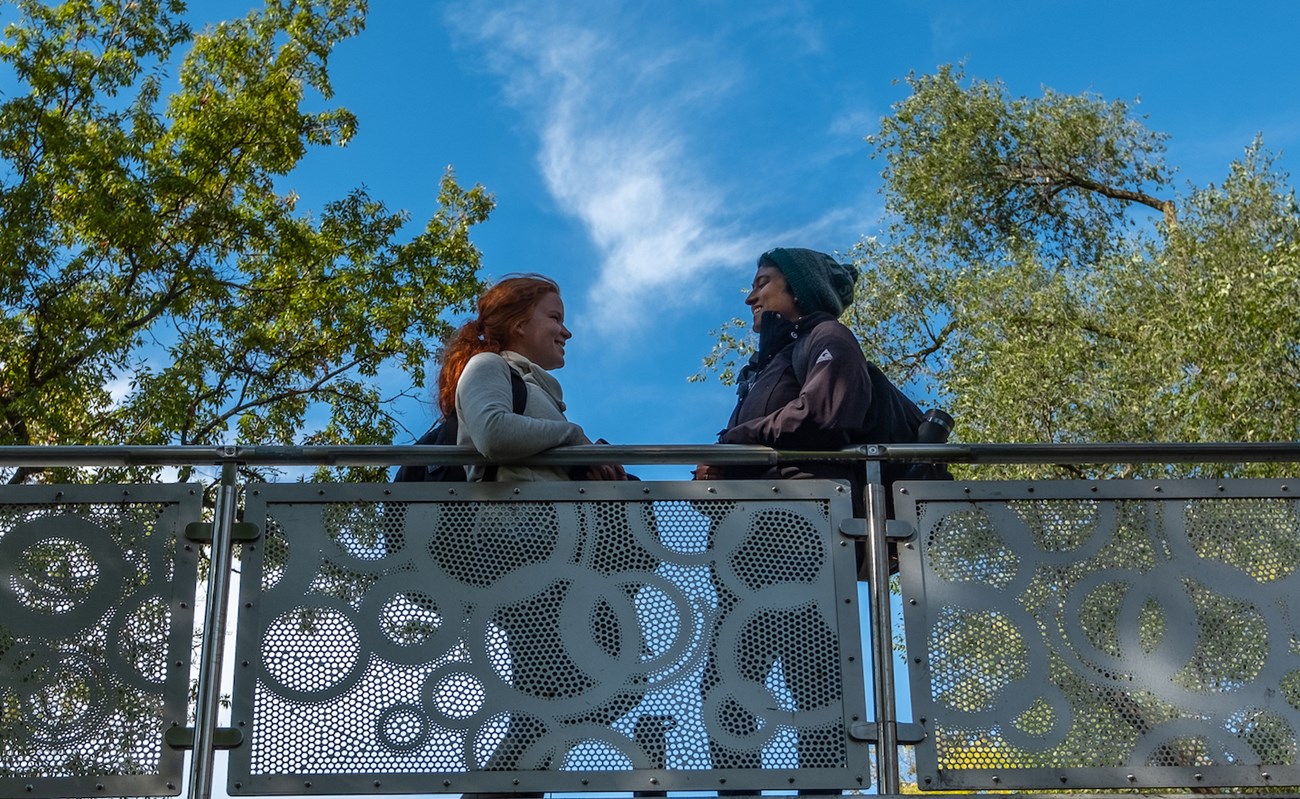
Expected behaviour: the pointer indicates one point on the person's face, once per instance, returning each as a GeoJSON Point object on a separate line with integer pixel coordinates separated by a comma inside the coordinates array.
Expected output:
{"type": "Point", "coordinates": [771, 293]}
{"type": "Point", "coordinates": [541, 337]}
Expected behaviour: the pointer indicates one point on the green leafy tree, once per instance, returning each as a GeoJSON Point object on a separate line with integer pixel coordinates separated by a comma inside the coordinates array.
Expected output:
{"type": "Point", "coordinates": [158, 284]}
{"type": "Point", "coordinates": [1054, 306]}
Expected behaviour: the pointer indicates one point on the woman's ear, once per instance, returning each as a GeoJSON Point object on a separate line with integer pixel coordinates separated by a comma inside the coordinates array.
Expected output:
{"type": "Point", "coordinates": [512, 335]}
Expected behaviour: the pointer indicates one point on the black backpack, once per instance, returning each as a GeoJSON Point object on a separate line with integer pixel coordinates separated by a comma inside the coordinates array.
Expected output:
{"type": "Point", "coordinates": [445, 433]}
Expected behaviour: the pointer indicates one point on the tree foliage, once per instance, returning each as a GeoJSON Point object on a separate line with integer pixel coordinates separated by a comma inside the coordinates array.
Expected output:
{"type": "Point", "coordinates": [1033, 276]}
{"type": "Point", "coordinates": [158, 283]}
{"type": "Point", "coordinates": [973, 173]}
{"type": "Point", "coordinates": [1045, 314]}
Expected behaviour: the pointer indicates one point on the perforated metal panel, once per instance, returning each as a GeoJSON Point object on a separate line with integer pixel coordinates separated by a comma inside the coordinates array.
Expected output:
{"type": "Point", "coordinates": [1111, 635]}
{"type": "Point", "coordinates": [548, 636]}
{"type": "Point", "coordinates": [97, 589]}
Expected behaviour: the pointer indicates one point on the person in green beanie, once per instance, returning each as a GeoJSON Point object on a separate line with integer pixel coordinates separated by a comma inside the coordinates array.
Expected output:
{"type": "Point", "coordinates": [808, 387]}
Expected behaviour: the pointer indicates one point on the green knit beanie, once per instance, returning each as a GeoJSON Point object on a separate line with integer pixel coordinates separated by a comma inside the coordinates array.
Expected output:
{"type": "Point", "coordinates": [818, 281]}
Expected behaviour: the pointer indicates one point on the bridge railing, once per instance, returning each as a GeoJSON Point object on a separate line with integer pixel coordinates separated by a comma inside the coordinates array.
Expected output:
{"type": "Point", "coordinates": [657, 636]}
{"type": "Point", "coordinates": [1102, 635]}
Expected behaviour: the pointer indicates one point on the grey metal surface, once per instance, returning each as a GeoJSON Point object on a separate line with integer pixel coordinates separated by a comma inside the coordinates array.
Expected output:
{"type": "Point", "coordinates": [97, 589]}
{"type": "Point", "coordinates": [1104, 635]}
{"type": "Point", "coordinates": [548, 637]}
{"type": "Point", "coordinates": [382, 455]}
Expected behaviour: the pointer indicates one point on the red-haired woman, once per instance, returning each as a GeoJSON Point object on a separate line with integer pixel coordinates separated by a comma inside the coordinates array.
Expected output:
{"type": "Point", "coordinates": [520, 327]}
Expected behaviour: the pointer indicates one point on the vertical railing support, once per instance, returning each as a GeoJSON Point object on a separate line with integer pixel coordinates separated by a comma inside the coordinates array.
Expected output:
{"type": "Point", "coordinates": [211, 650]}
{"type": "Point", "coordinates": [882, 635]}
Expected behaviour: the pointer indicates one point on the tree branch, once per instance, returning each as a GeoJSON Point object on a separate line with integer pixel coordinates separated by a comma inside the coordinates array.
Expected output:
{"type": "Point", "coordinates": [242, 405]}
{"type": "Point", "coordinates": [1055, 180]}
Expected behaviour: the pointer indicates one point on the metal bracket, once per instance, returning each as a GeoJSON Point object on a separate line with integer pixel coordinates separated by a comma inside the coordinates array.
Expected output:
{"type": "Point", "coordinates": [854, 527]}
{"type": "Point", "coordinates": [898, 530]}
{"type": "Point", "coordinates": [895, 529]}
{"type": "Point", "coordinates": [908, 732]}
{"type": "Point", "coordinates": [223, 737]}
{"type": "Point", "coordinates": [240, 531]}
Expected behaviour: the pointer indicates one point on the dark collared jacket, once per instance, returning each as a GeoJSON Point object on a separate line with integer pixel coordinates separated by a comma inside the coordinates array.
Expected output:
{"type": "Point", "coordinates": [841, 401]}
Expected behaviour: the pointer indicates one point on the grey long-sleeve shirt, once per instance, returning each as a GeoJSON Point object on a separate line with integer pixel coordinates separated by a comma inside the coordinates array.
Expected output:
{"type": "Point", "coordinates": [488, 423]}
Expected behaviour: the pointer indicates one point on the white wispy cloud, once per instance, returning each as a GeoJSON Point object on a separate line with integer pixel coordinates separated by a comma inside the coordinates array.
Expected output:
{"type": "Point", "coordinates": [613, 111]}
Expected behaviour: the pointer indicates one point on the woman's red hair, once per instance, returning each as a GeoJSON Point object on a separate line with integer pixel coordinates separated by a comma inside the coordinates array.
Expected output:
{"type": "Point", "coordinates": [508, 303]}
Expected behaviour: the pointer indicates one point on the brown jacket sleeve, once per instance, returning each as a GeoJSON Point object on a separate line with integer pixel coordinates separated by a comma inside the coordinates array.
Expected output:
{"type": "Point", "coordinates": [824, 412]}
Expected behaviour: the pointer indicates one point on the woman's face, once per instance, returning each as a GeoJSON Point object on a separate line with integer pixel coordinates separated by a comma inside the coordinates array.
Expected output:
{"type": "Point", "coordinates": [541, 337]}
{"type": "Point", "coordinates": [771, 293]}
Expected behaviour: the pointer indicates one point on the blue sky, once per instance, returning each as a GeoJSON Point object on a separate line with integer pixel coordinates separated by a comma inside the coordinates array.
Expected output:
{"type": "Point", "coordinates": [644, 153]}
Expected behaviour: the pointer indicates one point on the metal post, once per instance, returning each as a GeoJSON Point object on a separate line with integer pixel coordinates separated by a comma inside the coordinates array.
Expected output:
{"type": "Point", "coordinates": [882, 635]}
{"type": "Point", "coordinates": [214, 631]}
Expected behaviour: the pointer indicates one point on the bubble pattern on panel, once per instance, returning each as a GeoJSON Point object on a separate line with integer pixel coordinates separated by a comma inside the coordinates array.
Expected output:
{"type": "Point", "coordinates": [1129, 640]}
{"type": "Point", "coordinates": [517, 636]}
{"type": "Point", "coordinates": [94, 649]}
{"type": "Point", "coordinates": [477, 545]}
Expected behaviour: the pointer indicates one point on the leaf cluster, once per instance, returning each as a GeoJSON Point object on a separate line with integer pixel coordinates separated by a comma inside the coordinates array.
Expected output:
{"type": "Point", "coordinates": [157, 285]}
{"type": "Point", "coordinates": [972, 172]}
{"type": "Point", "coordinates": [1181, 335]}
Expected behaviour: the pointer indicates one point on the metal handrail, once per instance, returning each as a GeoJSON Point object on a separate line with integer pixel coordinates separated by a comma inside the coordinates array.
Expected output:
{"type": "Point", "coordinates": [667, 454]}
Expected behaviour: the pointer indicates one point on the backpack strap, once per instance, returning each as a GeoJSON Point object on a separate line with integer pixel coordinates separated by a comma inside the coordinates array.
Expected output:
{"type": "Point", "coordinates": [415, 473]}
{"type": "Point", "coordinates": [519, 403]}
{"type": "Point", "coordinates": [518, 391]}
